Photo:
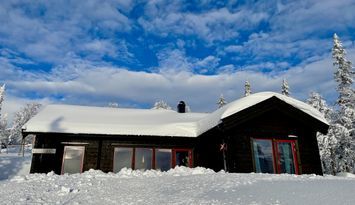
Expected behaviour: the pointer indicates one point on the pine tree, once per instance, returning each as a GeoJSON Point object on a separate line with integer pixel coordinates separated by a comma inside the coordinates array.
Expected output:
{"type": "Point", "coordinates": [161, 105]}
{"type": "Point", "coordinates": [345, 117]}
{"type": "Point", "coordinates": [221, 101]}
{"type": "Point", "coordinates": [285, 88]}
{"type": "Point", "coordinates": [247, 88]}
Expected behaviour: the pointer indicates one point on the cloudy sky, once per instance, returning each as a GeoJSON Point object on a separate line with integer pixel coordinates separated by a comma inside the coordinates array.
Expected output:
{"type": "Point", "coordinates": [137, 52]}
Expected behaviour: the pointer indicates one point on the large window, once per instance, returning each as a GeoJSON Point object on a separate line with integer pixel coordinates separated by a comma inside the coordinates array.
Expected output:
{"type": "Point", "coordinates": [275, 156]}
{"type": "Point", "coordinates": [182, 157]}
{"type": "Point", "coordinates": [163, 159]}
{"type": "Point", "coordinates": [150, 158]}
{"type": "Point", "coordinates": [143, 158]}
{"type": "Point", "coordinates": [122, 158]}
{"type": "Point", "coordinates": [73, 159]}
{"type": "Point", "coordinates": [263, 156]}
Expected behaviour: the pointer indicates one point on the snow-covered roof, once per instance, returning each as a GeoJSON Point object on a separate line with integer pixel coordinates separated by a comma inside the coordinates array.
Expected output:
{"type": "Point", "coordinates": [119, 121]}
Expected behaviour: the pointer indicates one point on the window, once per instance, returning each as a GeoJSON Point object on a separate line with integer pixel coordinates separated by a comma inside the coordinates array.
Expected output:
{"type": "Point", "coordinates": [150, 158]}
{"type": "Point", "coordinates": [122, 158]}
{"type": "Point", "coordinates": [275, 156]}
{"type": "Point", "coordinates": [263, 156]}
{"type": "Point", "coordinates": [143, 158]}
{"type": "Point", "coordinates": [73, 159]}
{"type": "Point", "coordinates": [182, 157]}
{"type": "Point", "coordinates": [286, 156]}
{"type": "Point", "coordinates": [163, 159]}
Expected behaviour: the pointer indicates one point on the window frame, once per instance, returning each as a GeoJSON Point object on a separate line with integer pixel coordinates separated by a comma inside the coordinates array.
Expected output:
{"type": "Point", "coordinates": [82, 148]}
{"type": "Point", "coordinates": [153, 161]}
{"type": "Point", "coordinates": [294, 153]}
{"type": "Point", "coordinates": [189, 151]}
{"type": "Point", "coordinates": [276, 154]}
{"type": "Point", "coordinates": [272, 152]}
{"type": "Point", "coordinates": [171, 157]}
{"type": "Point", "coordinates": [114, 157]}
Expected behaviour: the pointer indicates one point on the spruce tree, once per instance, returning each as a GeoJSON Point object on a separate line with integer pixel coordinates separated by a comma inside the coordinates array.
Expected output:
{"type": "Point", "coordinates": [345, 117]}
{"type": "Point", "coordinates": [327, 143]}
{"type": "Point", "coordinates": [343, 74]}
{"type": "Point", "coordinates": [161, 105]}
{"type": "Point", "coordinates": [221, 101]}
{"type": "Point", "coordinates": [247, 88]}
{"type": "Point", "coordinates": [3, 119]}
{"type": "Point", "coordinates": [285, 88]}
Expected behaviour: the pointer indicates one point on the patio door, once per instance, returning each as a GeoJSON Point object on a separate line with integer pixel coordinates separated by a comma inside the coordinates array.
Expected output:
{"type": "Point", "coordinates": [275, 156]}
{"type": "Point", "coordinates": [286, 156]}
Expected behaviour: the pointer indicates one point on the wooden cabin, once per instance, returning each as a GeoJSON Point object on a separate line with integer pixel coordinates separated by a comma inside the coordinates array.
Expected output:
{"type": "Point", "coordinates": [264, 132]}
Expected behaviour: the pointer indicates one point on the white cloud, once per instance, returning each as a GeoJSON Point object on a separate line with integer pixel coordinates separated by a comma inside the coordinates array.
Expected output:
{"type": "Point", "coordinates": [219, 24]}
{"type": "Point", "coordinates": [99, 85]}
{"type": "Point", "coordinates": [49, 31]}
{"type": "Point", "coordinates": [75, 35]}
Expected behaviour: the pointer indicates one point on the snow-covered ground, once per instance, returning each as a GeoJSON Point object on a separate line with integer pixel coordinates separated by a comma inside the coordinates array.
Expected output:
{"type": "Point", "coordinates": [177, 186]}
{"type": "Point", "coordinates": [12, 163]}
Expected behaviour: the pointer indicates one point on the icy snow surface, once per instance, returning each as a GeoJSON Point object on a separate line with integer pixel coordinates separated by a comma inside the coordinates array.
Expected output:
{"type": "Point", "coordinates": [177, 186]}
{"type": "Point", "coordinates": [12, 164]}
{"type": "Point", "coordinates": [100, 120]}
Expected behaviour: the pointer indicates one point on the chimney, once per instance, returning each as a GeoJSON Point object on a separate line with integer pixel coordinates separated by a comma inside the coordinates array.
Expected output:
{"type": "Point", "coordinates": [181, 107]}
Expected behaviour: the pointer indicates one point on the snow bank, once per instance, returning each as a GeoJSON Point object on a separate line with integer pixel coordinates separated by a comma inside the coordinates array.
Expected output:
{"type": "Point", "coordinates": [177, 171]}
{"type": "Point", "coordinates": [346, 174]}
{"type": "Point", "coordinates": [180, 185]}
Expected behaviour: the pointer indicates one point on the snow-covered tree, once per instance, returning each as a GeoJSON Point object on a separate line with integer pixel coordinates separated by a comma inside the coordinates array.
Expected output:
{"type": "Point", "coordinates": [344, 74]}
{"type": "Point", "coordinates": [161, 104]}
{"type": "Point", "coordinates": [20, 118]}
{"type": "Point", "coordinates": [345, 117]}
{"type": "Point", "coordinates": [221, 101]}
{"type": "Point", "coordinates": [247, 89]}
{"type": "Point", "coordinates": [317, 101]}
{"type": "Point", "coordinates": [285, 88]}
{"type": "Point", "coordinates": [2, 93]}
{"type": "Point", "coordinates": [113, 104]}
{"type": "Point", "coordinates": [187, 108]}
{"type": "Point", "coordinates": [327, 143]}
{"type": "Point", "coordinates": [3, 119]}
{"type": "Point", "coordinates": [4, 132]}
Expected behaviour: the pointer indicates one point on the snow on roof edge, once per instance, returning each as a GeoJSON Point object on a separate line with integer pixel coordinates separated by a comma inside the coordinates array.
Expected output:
{"type": "Point", "coordinates": [178, 125]}
{"type": "Point", "coordinates": [256, 98]}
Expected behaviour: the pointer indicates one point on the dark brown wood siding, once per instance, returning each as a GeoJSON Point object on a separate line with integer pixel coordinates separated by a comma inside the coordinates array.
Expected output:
{"type": "Point", "coordinates": [273, 124]}
{"type": "Point", "coordinates": [272, 119]}
{"type": "Point", "coordinates": [98, 149]}
{"type": "Point", "coordinates": [207, 151]}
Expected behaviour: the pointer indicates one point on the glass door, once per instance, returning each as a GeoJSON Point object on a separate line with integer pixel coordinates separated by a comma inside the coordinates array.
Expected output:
{"type": "Point", "coordinates": [286, 156]}
{"type": "Point", "coordinates": [275, 156]}
{"type": "Point", "coordinates": [73, 159]}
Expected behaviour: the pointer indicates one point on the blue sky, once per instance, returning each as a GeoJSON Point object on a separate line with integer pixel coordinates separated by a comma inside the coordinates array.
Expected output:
{"type": "Point", "coordinates": [137, 52]}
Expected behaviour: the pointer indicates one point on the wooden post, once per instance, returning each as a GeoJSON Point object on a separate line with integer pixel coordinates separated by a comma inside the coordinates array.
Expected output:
{"type": "Point", "coordinates": [22, 148]}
